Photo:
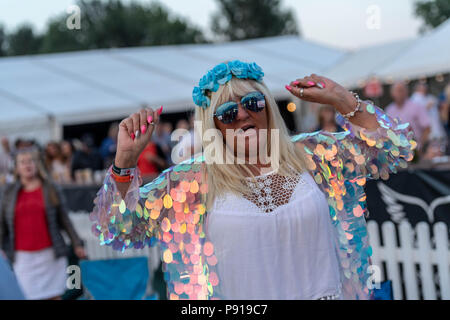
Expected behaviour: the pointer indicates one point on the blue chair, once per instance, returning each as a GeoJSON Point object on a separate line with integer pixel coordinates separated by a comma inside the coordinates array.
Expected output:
{"type": "Point", "coordinates": [384, 292]}
{"type": "Point", "coordinates": [116, 279]}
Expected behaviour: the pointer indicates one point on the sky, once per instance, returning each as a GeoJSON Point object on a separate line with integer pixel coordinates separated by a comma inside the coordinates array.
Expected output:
{"type": "Point", "coordinates": [348, 24]}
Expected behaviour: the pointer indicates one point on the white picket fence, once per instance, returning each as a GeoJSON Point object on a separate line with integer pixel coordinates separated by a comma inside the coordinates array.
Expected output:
{"type": "Point", "coordinates": [419, 263]}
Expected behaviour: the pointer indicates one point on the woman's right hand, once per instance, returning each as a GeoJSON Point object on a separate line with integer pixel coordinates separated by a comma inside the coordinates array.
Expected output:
{"type": "Point", "coordinates": [134, 134]}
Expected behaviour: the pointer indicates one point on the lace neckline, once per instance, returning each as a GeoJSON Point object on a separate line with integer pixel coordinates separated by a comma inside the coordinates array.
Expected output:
{"type": "Point", "coordinates": [271, 190]}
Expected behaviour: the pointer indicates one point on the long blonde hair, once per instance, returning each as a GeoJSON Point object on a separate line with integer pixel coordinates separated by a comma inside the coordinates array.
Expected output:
{"type": "Point", "coordinates": [223, 178]}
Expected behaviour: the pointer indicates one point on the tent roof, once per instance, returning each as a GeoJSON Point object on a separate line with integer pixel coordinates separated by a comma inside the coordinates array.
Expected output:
{"type": "Point", "coordinates": [362, 64]}
{"type": "Point", "coordinates": [100, 85]}
{"type": "Point", "coordinates": [428, 56]}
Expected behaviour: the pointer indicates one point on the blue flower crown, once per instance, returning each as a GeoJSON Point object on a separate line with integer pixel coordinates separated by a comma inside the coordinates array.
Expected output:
{"type": "Point", "coordinates": [221, 74]}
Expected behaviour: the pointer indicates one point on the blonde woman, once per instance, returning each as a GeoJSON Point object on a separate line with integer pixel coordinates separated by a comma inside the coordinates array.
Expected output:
{"type": "Point", "coordinates": [32, 216]}
{"type": "Point", "coordinates": [285, 223]}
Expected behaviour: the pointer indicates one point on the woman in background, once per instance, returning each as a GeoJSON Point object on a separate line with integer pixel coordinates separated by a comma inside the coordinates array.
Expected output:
{"type": "Point", "coordinates": [54, 163]}
{"type": "Point", "coordinates": [66, 155]}
{"type": "Point", "coordinates": [327, 120]}
{"type": "Point", "coordinates": [31, 219]}
{"type": "Point", "coordinates": [444, 111]}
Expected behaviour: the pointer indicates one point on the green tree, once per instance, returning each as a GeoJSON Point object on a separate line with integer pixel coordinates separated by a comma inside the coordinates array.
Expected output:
{"type": "Point", "coordinates": [23, 41]}
{"type": "Point", "coordinates": [247, 19]}
{"type": "Point", "coordinates": [432, 12]}
{"type": "Point", "coordinates": [112, 24]}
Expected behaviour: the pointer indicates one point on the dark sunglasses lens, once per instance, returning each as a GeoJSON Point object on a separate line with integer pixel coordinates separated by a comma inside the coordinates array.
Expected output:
{"type": "Point", "coordinates": [254, 102]}
{"type": "Point", "coordinates": [227, 112]}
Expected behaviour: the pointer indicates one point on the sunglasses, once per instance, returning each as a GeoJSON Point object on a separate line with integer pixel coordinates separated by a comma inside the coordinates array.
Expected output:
{"type": "Point", "coordinates": [228, 111]}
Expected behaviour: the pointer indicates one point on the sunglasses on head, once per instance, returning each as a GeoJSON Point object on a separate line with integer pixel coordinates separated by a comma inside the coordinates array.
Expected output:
{"type": "Point", "coordinates": [228, 111]}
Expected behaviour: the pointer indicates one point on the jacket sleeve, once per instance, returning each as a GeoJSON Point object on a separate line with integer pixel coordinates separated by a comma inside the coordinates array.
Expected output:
{"type": "Point", "coordinates": [64, 220]}
{"type": "Point", "coordinates": [358, 153]}
{"type": "Point", "coordinates": [131, 222]}
{"type": "Point", "coordinates": [341, 163]}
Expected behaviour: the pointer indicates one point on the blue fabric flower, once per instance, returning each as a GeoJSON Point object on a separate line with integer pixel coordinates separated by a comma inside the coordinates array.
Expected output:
{"type": "Point", "coordinates": [200, 98]}
{"type": "Point", "coordinates": [221, 74]}
{"type": "Point", "coordinates": [207, 81]}
{"type": "Point", "coordinates": [255, 72]}
{"type": "Point", "coordinates": [197, 95]}
{"type": "Point", "coordinates": [238, 69]}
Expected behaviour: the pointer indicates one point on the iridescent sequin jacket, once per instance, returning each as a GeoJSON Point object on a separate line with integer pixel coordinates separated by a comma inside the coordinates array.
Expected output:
{"type": "Point", "coordinates": [171, 209]}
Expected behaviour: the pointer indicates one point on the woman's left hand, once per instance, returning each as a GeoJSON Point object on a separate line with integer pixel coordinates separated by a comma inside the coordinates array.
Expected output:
{"type": "Point", "coordinates": [80, 252]}
{"type": "Point", "coordinates": [325, 91]}
{"type": "Point", "coordinates": [321, 90]}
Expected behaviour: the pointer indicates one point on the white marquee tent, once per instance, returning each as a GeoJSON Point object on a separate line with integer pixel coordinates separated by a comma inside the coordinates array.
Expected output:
{"type": "Point", "coordinates": [41, 93]}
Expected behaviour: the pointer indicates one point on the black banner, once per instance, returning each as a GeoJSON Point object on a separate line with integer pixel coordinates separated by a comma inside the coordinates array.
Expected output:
{"type": "Point", "coordinates": [414, 196]}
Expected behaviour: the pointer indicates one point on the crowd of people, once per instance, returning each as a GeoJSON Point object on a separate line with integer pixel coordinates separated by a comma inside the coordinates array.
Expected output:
{"type": "Point", "coordinates": [80, 161]}
{"type": "Point", "coordinates": [427, 114]}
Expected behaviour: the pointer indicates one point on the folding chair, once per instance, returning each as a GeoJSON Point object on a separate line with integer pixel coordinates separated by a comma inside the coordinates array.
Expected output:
{"type": "Point", "coordinates": [385, 291]}
{"type": "Point", "coordinates": [116, 279]}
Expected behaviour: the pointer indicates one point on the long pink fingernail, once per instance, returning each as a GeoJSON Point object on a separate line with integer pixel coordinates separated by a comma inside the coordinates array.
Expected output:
{"type": "Point", "coordinates": [296, 83]}
{"type": "Point", "coordinates": [288, 88]}
{"type": "Point", "coordinates": [323, 84]}
{"type": "Point", "coordinates": [310, 83]}
{"type": "Point", "coordinates": [133, 136]}
{"type": "Point", "coordinates": [149, 119]}
{"type": "Point", "coordinates": [143, 129]}
{"type": "Point", "coordinates": [160, 110]}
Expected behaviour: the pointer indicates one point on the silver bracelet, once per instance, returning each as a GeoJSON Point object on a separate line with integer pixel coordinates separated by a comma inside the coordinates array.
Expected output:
{"type": "Point", "coordinates": [358, 106]}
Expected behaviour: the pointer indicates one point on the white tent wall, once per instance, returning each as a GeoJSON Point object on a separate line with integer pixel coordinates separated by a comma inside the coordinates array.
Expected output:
{"type": "Point", "coordinates": [20, 119]}
{"type": "Point", "coordinates": [40, 130]}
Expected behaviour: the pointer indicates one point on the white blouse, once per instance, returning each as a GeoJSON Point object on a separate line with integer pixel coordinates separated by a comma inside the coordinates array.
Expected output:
{"type": "Point", "coordinates": [277, 244]}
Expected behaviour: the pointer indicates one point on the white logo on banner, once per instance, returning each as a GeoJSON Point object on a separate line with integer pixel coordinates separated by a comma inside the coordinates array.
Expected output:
{"type": "Point", "coordinates": [395, 208]}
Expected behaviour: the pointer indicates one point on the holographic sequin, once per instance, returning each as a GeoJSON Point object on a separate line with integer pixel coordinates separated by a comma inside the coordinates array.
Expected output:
{"type": "Point", "coordinates": [370, 108]}
{"type": "Point", "coordinates": [171, 209]}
